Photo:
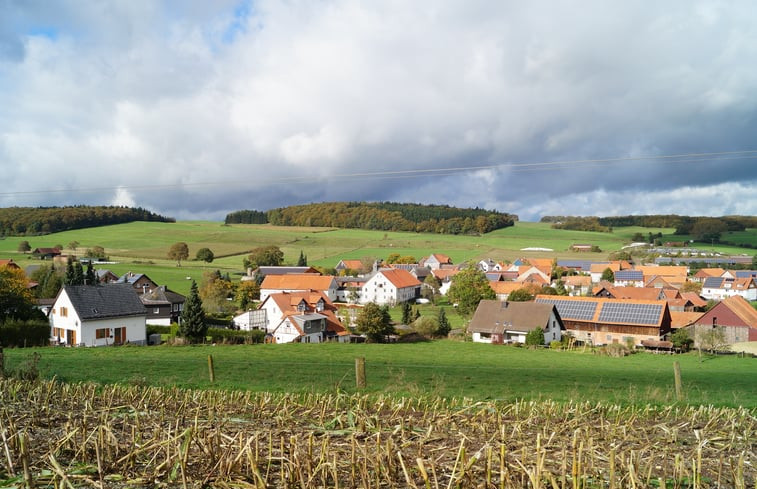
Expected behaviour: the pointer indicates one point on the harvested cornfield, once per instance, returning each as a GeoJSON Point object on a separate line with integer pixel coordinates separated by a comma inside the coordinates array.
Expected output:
{"type": "Point", "coordinates": [83, 435]}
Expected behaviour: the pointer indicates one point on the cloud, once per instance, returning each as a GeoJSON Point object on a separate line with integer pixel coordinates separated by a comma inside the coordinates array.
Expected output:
{"type": "Point", "coordinates": [195, 109]}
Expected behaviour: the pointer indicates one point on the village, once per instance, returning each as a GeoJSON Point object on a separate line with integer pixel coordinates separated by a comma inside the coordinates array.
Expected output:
{"type": "Point", "coordinates": [577, 302]}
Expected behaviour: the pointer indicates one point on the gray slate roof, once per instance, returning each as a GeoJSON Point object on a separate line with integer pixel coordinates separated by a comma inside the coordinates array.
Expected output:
{"type": "Point", "coordinates": [162, 295]}
{"type": "Point", "coordinates": [104, 301]}
{"type": "Point", "coordinates": [493, 316]}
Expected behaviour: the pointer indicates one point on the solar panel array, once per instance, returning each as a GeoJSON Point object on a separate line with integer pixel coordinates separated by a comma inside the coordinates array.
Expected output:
{"type": "Point", "coordinates": [746, 274]}
{"type": "Point", "coordinates": [580, 310]}
{"type": "Point", "coordinates": [629, 275]}
{"type": "Point", "coordinates": [712, 282]}
{"type": "Point", "coordinates": [617, 312]}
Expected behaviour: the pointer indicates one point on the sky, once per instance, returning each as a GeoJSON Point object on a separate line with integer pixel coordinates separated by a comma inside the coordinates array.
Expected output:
{"type": "Point", "coordinates": [194, 109]}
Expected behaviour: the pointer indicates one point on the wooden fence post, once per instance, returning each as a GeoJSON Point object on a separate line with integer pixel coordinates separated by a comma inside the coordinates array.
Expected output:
{"type": "Point", "coordinates": [360, 372]}
{"type": "Point", "coordinates": [211, 369]}
{"type": "Point", "coordinates": [677, 375]}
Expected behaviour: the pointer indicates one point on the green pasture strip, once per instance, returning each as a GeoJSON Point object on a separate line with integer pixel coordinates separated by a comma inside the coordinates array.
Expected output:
{"type": "Point", "coordinates": [440, 368]}
{"type": "Point", "coordinates": [143, 246]}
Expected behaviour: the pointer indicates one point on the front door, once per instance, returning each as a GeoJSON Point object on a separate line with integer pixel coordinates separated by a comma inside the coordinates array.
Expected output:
{"type": "Point", "coordinates": [70, 337]}
{"type": "Point", "coordinates": [119, 336]}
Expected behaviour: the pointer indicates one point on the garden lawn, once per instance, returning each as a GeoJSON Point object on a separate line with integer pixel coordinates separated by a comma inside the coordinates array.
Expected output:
{"type": "Point", "coordinates": [440, 368]}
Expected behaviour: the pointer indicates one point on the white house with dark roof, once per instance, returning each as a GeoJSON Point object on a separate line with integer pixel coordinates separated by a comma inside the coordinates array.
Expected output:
{"type": "Point", "coordinates": [98, 315]}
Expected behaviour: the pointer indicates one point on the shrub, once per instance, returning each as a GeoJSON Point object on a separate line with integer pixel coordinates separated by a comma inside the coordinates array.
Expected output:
{"type": "Point", "coordinates": [535, 337]}
{"type": "Point", "coordinates": [555, 345]}
{"type": "Point", "coordinates": [236, 337]}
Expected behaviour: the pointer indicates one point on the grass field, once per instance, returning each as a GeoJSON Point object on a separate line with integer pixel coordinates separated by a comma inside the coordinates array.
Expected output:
{"type": "Point", "coordinates": [440, 368]}
{"type": "Point", "coordinates": [142, 246]}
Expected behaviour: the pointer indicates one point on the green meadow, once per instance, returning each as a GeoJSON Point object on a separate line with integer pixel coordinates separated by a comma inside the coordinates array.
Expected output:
{"type": "Point", "coordinates": [443, 368]}
{"type": "Point", "coordinates": [143, 246]}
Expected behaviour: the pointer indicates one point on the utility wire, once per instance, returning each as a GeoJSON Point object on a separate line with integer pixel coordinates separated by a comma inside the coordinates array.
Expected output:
{"type": "Point", "coordinates": [713, 157]}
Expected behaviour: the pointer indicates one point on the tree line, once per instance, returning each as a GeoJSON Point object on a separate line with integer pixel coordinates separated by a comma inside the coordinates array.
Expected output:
{"type": "Point", "coordinates": [381, 216]}
{"type": "Point", "coordinates": [30, 221]}
{"type": "Point", "coordinates": [700, 228]}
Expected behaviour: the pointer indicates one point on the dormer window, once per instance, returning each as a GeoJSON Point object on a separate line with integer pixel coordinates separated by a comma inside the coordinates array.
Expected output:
{"type": "Point", "coordinates": [301, 307]}
{"type": "Point", "coordinates": [319, 306]}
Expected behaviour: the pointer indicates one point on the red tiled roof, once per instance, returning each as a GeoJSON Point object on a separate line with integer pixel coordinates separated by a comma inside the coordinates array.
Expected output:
{"type": "Point", "coordinates": [400, 278]}
{"type": "Point", "coordinates": [297, 281]}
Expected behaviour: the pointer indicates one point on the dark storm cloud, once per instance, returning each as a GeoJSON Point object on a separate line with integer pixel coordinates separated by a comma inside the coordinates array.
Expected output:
{"type": "Point", "coordinates": [265, 104]}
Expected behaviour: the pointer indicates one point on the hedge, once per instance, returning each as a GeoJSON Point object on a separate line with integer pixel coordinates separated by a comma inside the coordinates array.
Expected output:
{"type": "Point", "coordinates": [15, 333]}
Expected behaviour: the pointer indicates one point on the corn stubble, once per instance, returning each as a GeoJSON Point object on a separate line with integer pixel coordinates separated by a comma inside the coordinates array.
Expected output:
{"type": "Point", "coordinates": [81, 435]}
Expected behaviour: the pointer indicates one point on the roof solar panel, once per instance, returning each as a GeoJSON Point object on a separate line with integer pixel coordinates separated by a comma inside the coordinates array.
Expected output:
{"type": "Point", "coordinates": [580, 310]}
{"type": "Point", "coordinates": [746, 274]}
{"type": "Point", "coordinates": [629, 275]}
{"type": "Point", "coordinates": [712, 282]}
{"type": "Point", "coordinates": [619, 312]}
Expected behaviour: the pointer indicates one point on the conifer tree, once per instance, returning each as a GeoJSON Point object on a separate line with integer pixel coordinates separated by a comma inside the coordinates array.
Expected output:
{"type": "Point", "coordinates": [90, 278]}
{"type": "Point", "coordinates": [303, 260]}
{"type": "Point", "coordinates": [69, 278]}
{"type": "Point", "coordinates": [444, 326]}
{"type": "Point", "coordinates": [192, 324]}
{"type": "Point", "coordinates": [406, 313]}
{"type": "Point", "coordinates": [78, 274]}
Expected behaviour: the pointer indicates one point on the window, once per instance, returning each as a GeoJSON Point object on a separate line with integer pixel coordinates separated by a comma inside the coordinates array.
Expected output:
{"type": "Point", "coordinates": [101, 333]}
{"type": "Point", "coordinates": [156, 310]}
{"type": "Point", "coordinates": [64, 312]}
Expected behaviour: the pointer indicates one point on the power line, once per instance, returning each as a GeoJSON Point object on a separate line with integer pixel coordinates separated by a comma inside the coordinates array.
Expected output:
{"type": "Point", "coordinates": [711, 157]}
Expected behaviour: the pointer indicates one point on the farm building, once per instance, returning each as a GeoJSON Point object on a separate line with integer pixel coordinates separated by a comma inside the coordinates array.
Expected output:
{"type": "Point", "coordinates": [602, 321]}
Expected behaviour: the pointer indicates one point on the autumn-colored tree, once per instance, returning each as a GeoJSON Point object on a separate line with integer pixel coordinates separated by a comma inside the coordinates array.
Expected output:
{"type": "Point", "coordinates": [16, 299]}
{"type": "Point", "coordinates": [24, 247]}
{"type": "Point", "coordinates": [179, 251]}
{"type": "Point", "coordinates": [215, 291]}
{"type": "Point", "coordinates": [374, 321]}
{"type": "Point", "coordinates": [265, 256]}
{"type": "Point", "coordinates": [247, 292]}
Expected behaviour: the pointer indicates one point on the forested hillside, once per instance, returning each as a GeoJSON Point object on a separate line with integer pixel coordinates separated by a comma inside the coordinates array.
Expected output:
{"type": "Point", "coordinates": [384, 216]}
{"type": "Point", "coordinates": [29, 221]}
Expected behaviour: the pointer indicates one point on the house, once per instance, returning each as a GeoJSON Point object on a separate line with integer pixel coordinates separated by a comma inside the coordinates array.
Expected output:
{"type": "Point", "coordinates": [486, 265]}
{"type": "Point", "coordinates": [345, 266]}
{"type": "Point", "coordinates": [348, 288]}
{"type": "Point", "coordinates": [530, 272]}
{"type": "Point", "coordinates": [598, 268]}
{"type": "Point", "coordinates": [695, 299]}
{"type": "Point", "coordinates": [657, 282]}
{"type": "Point", "coordinates": [435, 261]}
{"type": "Point", "coordinates": [9, 263]}
{"type": "Point", "coordinates": [140, 282]}
{"type": "Point", "coordinates": [674, 275]}
{"type": "Point", "coordinates": [704, 273]}
{"type": "Point", "coordinates": [720, 288]}
{"type": "Point", "coordinates": [735, 315]}
{"type": "Point", "coordinates": [299, 282]}
{"type": "Point", "coordinates": [444, 275]}
{"type": "Point", "coordinates": [508, 322]}
{"type": "Point", "coordinates": [502, 290]}
{"type": "Point", "coordinates": [577, 284]}
{"type": "Point", "coordinates": [501, 276]}
{"type": "Point", "coordinates": [304, 317]}
{"type": "Point", "coordinates": [45, 253]}
{"type": "Point", "coordinates": [390, 286]}
{"type": "Point", "coordinates": [601, 321]}
{"type": "Point", "coordinates": [98, 315]}
{"type": "Point", "coordinates": [629, 278]}
{"type": "Point", "coordinates": [249, 320]}
{"type": "Point", "coordinates": [105, 276]}
{"type": "Point", "coordinates": [163, 306]}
